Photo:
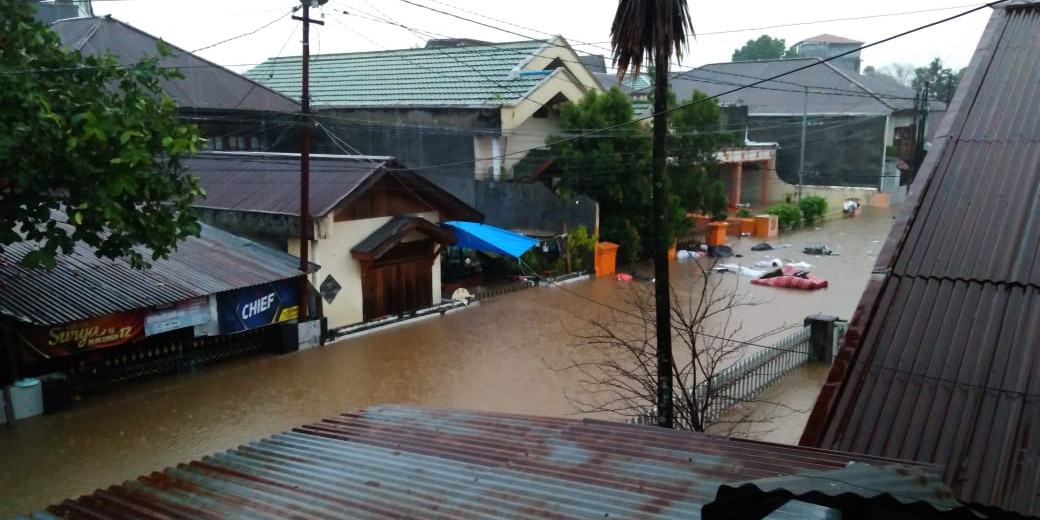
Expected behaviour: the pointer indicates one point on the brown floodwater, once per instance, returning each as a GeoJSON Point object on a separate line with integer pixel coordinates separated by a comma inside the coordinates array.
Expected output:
{"type": "Point", "coordinates": [506, 354]}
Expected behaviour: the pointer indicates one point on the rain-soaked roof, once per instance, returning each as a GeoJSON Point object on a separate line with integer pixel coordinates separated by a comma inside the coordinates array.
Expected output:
{"type": "Point", "coordinates": [407, 462]}
{"type": "Point", "coordinates": [941, 360]}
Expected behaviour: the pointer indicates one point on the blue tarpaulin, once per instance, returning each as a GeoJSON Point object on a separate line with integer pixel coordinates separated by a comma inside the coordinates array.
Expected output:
{"type": "Point", "coordinates": [490, 239]}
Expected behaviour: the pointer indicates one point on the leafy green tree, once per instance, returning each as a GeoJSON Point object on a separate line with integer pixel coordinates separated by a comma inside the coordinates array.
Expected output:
{"type": "Point", "coordinates": [90, 150]}
{"type": "Point", "coordinates": [696, 136]}
{"type": "Point", "coordinates": [942, 81]}
{"type": "Point", "coordinates": [764, 47]}
{"type": "Point", "coordinates": [611, 166]}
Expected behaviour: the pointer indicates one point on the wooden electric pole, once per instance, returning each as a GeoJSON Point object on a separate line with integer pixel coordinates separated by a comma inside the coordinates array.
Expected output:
{"type": "Point", "coordinates": [305, 155]}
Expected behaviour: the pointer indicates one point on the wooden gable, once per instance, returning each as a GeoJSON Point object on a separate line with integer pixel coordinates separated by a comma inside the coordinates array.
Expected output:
{"type": "Point", "coordinates": [385, 198]}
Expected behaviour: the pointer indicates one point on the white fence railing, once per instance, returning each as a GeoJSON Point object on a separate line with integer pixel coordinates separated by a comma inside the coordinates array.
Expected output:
{"type": "Point", "coordinates": [746, 379]}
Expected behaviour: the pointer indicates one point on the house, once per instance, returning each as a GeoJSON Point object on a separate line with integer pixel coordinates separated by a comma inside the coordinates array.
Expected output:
{"type": "Point", "coordinates": [830, 46]}
{"type": "Point", "coordinates": [409, 462]}
{"type": "Point", "coordinates": [941, 359]}
{"type": "Point", "coordinates": [50, 11]}
{"type": "Point", "coordinates": [231, 111]}
{"type": "Point", "coordinates": [375, 224]}
{"type": "Point", "coordinates": [851, 120]}
{"type": "Point", "coordinates": [462, 113]}
{"type": "Point", "coordinates": [101, 321]}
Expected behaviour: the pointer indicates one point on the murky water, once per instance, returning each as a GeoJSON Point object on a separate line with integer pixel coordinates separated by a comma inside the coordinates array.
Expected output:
{"type": "Point", "coordinates": [501, 355]}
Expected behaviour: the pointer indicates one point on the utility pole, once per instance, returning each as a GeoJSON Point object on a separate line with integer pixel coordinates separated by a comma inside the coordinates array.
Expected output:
{"type": "Point", "coordinates": [305, 155]}
{"type": "Point", "coordinates": [801, 154]}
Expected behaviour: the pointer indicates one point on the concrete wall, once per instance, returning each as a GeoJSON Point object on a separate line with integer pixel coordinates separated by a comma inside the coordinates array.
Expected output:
{"type": "Point", "coordinates": [333, 254]}
{"type": "Point", "coordinates": [751, 187]}
{"type": "Point", "coordinates": [530, 134]}
{"type": "Point", "coordinates": [265, 228]}
{"type": "Point", "coordinates": [438, 143]}
{"type": "Point", "coordinates": [532, 207]}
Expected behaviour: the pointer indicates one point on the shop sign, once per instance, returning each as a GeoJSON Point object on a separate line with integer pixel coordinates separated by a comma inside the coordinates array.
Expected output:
{"type": "Point", "coordinates": [80, 336]}
{"type": "Point", "coordinates": [183, 314]}
{"type": "Point", "coordinates": [257, 306]}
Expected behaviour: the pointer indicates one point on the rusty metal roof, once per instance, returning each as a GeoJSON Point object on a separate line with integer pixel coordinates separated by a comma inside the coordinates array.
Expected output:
{"type": "Point", "coordinates": [205, 85]}
{"type": "Point", "coordinates": [270, 183]}
{"type": "Point", "coordinates": [407, 462]}
{"type": "Point", "coordinates": [83, 286]}
{"type": "Point", "coordinates": [942, 359]}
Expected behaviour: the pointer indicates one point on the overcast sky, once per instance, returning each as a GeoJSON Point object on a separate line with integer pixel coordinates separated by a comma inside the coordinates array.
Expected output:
{"type": "Point", "coordinates": [721, 26]}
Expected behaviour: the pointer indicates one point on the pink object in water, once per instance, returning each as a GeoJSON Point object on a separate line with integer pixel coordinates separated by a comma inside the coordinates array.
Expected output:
{"type": "Point", "coordinates": [806, 282]}
{"type": "Point", "coordinates": [623, 277]}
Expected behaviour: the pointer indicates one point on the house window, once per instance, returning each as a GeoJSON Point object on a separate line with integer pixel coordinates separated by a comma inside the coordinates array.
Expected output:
{"type": "Point", "coordinates": [215, 143]}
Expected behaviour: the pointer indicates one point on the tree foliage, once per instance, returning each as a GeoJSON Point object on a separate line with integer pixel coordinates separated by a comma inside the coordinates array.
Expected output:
{"type": "Point", "coordinates": [90, 150]}
{"type": "Point", "coordinates": [942, 81]}
{"type": "Point", "coordinates": [613, 166]}
{"type": "Point", "coordinates": [764, 47]}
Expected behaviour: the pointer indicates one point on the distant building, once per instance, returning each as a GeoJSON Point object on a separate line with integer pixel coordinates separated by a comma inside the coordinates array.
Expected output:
{"type": "Point", "coordinates": [51, 11]}
{"type": "Point", "coordinates": [827, 46]}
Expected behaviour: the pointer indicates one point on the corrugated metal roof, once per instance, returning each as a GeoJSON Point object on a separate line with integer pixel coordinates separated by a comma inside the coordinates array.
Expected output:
{"type": "Point", "coordinates": [831, 91]}
{"type": "Point", "coordinates": [856, 487]}
{"type": "Point", "coordinates": [470, 75]}
{"type": "Point", "coordinates": [406, 462]}
{"type": "Point", "coordinates": [270, 182]}
{"type": "Point", "coordinates": [942, 361]}
{"type": "Point", "coordinates": [83, 286]}
{"type": "Point", "coordinates": [205, 85]}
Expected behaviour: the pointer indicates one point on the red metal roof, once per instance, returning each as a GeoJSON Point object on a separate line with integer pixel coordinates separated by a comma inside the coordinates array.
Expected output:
{"type": "Point", "coordinates": [942, 360]}
{"type": "Point", "coordinates": [406, 462]}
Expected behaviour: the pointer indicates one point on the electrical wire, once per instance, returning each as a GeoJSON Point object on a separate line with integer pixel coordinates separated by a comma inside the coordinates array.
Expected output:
{"type": "Point", "coordinates": [243, 35]}
{"type": "Point", "coordinates": [753, 84]}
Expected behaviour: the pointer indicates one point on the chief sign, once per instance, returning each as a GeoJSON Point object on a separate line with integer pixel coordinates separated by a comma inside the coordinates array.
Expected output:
{"type": "Point", "coordinates": [257, 306]}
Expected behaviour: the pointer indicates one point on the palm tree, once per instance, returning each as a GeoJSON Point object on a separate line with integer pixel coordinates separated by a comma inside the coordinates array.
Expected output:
{"type": "Point", "coordinates": [655, 29]}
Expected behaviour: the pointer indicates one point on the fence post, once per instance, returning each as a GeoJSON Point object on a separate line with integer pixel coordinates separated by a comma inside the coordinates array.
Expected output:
{"type": "Point", "coordinates": [821, 336]}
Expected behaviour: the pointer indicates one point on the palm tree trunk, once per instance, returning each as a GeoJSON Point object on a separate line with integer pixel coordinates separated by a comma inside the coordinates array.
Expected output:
{"type": "Point", "coordinates": [665, 412]}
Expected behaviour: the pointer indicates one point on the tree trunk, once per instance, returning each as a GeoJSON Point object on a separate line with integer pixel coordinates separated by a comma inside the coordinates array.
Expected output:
{"type": "Point", "coordinates": [665, 412]}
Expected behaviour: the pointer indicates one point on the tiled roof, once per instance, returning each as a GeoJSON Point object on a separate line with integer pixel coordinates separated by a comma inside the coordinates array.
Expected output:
{"type": "Point", "coordinates": [630, 84]}
{"type": "Point", "coordinates": [270, 182]}
{"type": "Point", "coordinates": [469, 75]}
{"type": "Point", "coordinates": [942, 359]}
{"type": "Point", "coordinates": [84, 286]}
{"type": "Point", "coordinates": [406, 462]}
{"type": "Point", "coordinates": [829, 38]}
{"type": "Point", "coordinates": [205, 85]}
{"type": "Point", "coordinates": [831, 91]}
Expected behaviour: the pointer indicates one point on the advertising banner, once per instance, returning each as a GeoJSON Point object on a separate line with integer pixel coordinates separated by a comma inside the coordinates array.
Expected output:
{"type": "Point", "coordinates": [257, 306]}
{"type": "Point", "coordinates": [79, 336]}
{"type": "Point", "coordinates": [183, 314]}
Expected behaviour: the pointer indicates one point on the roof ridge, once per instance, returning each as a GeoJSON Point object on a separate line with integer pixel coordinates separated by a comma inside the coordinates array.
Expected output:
{"type": "Point", "coordinates": [416, 50]}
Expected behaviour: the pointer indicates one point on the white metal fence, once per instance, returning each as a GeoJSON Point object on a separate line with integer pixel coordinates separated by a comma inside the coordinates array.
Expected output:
{"type": "Point", "coordinates": [746, 379]}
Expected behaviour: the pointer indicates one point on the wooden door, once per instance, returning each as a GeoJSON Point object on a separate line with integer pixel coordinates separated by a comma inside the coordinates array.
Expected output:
{"type": "Point", "coordinates": [400, 282]}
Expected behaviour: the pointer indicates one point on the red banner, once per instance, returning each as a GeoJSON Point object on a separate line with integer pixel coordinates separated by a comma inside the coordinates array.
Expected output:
{"type": "Point", "coordinates": [80, 336]}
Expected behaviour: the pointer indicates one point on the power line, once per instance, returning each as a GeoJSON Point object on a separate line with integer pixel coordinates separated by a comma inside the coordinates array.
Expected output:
{"type": "Point", "coordinates": [243, 35]}
{"type": "Point", "coordinates": [761, 81]}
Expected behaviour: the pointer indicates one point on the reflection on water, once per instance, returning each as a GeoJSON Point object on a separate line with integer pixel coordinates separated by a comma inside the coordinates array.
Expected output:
{"type": "Point", "coordinates": [501, 355]}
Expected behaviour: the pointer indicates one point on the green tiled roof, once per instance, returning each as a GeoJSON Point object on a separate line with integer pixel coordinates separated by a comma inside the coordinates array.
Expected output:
{"type": "Point", "coordinates": [477, 75]}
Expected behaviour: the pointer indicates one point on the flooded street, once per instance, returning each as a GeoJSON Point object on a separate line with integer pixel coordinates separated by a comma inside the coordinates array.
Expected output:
{"type": "Point", "coordinates": [501, 355]}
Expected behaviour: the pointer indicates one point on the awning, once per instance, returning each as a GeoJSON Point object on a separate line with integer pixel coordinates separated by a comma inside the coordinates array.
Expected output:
{"type": "Point", "coordinates": [490, 239]}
